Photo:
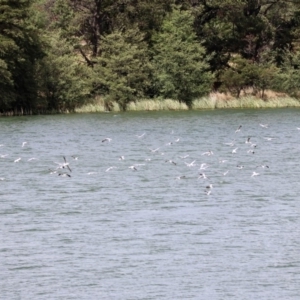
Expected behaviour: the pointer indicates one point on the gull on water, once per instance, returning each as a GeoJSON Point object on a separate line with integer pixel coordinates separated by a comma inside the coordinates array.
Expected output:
{"type": "Point", "coordinates": [264, 125]}
{"type": "Point", "coordinates": [209, 186]}
{"type": "Point", "coordinates": [225, 173]}
{"type": "Point", "coordinates": [240, 167]}
{"type": "Point", "coordinates": [181, 177]}
{"type": "Point", "coordinates": [250, 151]}
{"type": "Point", "coordinates": [17, 160]}
{"type": "Point", "coordinates": [3, 155]}
{"type": "Point", "coordinates": [254, 174]}
{"type": "Point", "coordinates": [207, 192]}
{"type": "Point", "coordinates": [177, 140]}
{"type": "Point", "coordinates": [248, 140]}
{"type": "Point", "coordinates": [74, 157]}
{"type": "Point", "coordinates": [269, 138]}
{"type": "Point", "coordinates": [121, 157]}
{"type": "Point", "coordinates": [23, 144]}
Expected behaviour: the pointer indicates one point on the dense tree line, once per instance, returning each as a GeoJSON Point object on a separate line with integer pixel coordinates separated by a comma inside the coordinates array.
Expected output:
{"type": "Point", "coordinates": [56, 55]}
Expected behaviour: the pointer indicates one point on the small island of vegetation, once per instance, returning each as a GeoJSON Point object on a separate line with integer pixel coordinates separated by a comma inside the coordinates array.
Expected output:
{"type": "Point", "coordinates": [93, 55]}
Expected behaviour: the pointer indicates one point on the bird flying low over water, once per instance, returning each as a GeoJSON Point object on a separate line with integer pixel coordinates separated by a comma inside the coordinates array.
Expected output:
{"type": "Point", "coordinates": [254, 174]}
{"type": "Point", "coordinates": [192, 164]}
{"type": "Point", "coordinates": [264, 125]}
{"type": "Point", "coordinates": [239, 129]}
{"type": "Point", "coordinates": [140, 136]}
{"type": "Point", "coordinates": [231, 144]}
{"type": "Point", "coordinates": [234, 150]}
{"type": "Point", "coordinates": [106, 140]}
{"type": "Point", "coordinates": [32, 158]}
{"type": "Point", "coordinates": [110, 168]}
{"type": "Point", "coordinates": [64, 165]}
{"type": "Point", "coordinates": [64, 175]}
{"type": "Point", "coordinates": [132, 168]}
{"type": "Point", "coordinates": [269, 138]}
{"type": "Point", "coordinates": [207, 153]}
{"type": "Point", "coordinates": [171, 162]}
{"type": "Point", "coordinates": [203, 166]}
{"type": "Point", "coordinates": [202, 175]}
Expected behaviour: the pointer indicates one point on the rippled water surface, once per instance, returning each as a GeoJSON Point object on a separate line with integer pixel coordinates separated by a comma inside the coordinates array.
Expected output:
{"type": "Point", "coordinates": [153, 231]}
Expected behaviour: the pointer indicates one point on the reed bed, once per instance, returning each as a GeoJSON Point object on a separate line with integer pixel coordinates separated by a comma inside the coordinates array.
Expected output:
{"type": "Point", "coordinates": [213, 101]}
{"type": "Point", "coordinates": [156, 104]}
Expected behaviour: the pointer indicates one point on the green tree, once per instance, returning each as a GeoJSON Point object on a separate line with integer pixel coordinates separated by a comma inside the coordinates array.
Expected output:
{"type": "Point", "coordinates": [246, 27]}
{"type": "Point", "coordinates": [243, 75]}
{"type": "Point", "coordinates": [181, 69]}
{"type": "Point", "coordinates": [20, 48]}
{"type": "Point", "coordinates": [65, 81]}
{"type": "Point", "coordinates": [123, 70]}
{"type": "Point", "coordinates": [288, 78]}
{"type": "Point", "coordinates": [94, 19]}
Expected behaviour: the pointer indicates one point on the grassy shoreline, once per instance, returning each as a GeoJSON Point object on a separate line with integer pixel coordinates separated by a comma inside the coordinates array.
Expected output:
{"type": "Point", "coordinates": [213, 101]}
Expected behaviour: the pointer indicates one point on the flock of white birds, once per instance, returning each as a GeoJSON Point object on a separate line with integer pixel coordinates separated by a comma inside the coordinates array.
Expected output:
{"type": "Point", "coordinates": [203, 166]}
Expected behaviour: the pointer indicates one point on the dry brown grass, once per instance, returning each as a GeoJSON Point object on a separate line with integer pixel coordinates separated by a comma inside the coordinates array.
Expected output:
{"type": "Point", "coordinates": [214, 100]}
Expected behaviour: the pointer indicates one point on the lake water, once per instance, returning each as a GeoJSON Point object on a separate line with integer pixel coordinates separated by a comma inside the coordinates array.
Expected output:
{"type": "Point", "coordinates": [153, 231]}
